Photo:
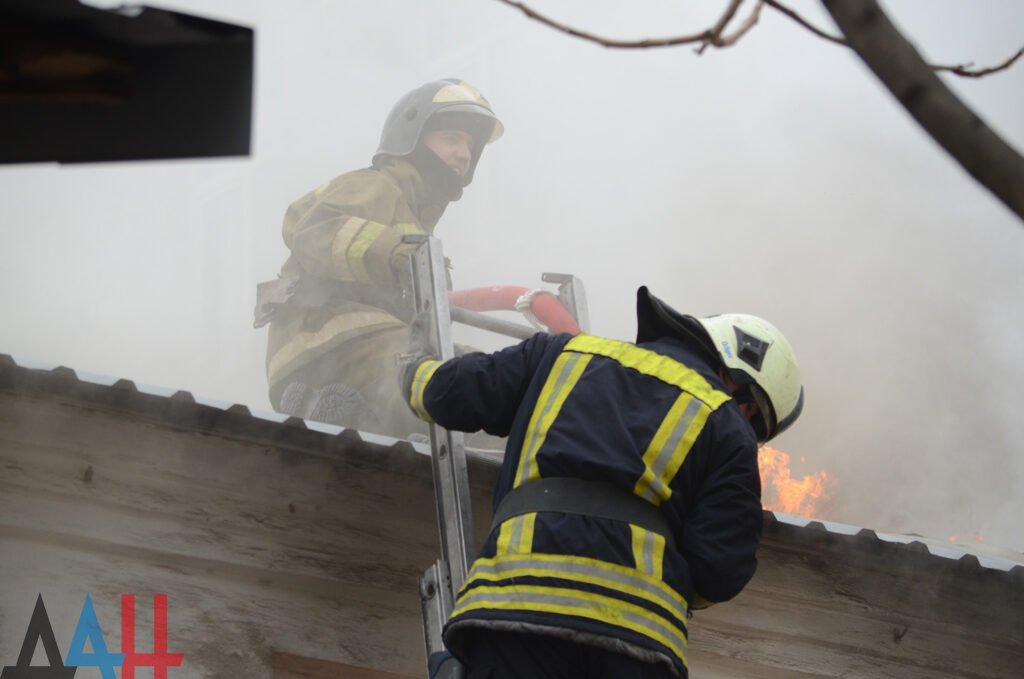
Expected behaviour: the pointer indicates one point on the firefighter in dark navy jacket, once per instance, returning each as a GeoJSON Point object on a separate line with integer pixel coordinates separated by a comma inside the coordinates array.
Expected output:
{"type": "Point", "coordinates": [629, 493]}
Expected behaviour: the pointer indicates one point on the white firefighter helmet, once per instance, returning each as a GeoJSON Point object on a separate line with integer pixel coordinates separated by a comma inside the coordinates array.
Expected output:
{"type": "Point", "coordinates": [755, 352]}
{"type": "Point", "coordinates": [756, 355]}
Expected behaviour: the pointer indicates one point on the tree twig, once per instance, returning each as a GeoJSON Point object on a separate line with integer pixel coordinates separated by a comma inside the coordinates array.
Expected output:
{"type": "Point", "coordinates": [713, 36]}
{"type": "Point", "coordinates": [963, 70]}
{"type": "Point", "coordinates": [710, 35]}
{"type": "Point", "coordinates": [806, 24]}
{"type": "Point", "coordinates": [749, 23]}
{"type": "Point", "coordinates": [726, 17]}
{"type": "Point", "coordinates": [733, 38]}
{"type": "Point", "coordinates": [984, 154]}
{"type": "Point", "coordinates": [968, 70]}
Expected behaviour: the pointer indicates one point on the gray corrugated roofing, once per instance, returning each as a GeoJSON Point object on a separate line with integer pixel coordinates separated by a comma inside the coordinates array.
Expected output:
{"type": "Point", "coordinates": [183, 409]}
{"type": "Point", "coordinates": [1004, 560]}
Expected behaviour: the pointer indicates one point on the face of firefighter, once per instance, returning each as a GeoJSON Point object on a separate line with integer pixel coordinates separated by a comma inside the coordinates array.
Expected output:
{"type": "Point", "coordinates": [453, 147]}
{"type": "Point", "coordinates": [748, 408]}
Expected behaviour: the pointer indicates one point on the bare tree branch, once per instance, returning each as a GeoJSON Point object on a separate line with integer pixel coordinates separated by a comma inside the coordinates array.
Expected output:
{"type": "Point", "coordinates": [724, 20]}
{"type": "Point", "coordinates": [607, 42]}
{"type": "Point", "coordinates": [806, 24]}
{"type": "Point", "coordinates": [708, 36]}
{"type": "Point", "coordinates": [712, 37]}
{"type": "Point", "coordinates": [734, 37]}
{"type": "Point", "coordinates": [967, 70]}
{"type": "Point", "coordinates": [979, 150]}
{"type": "Point", "coordinates": [963, 70]}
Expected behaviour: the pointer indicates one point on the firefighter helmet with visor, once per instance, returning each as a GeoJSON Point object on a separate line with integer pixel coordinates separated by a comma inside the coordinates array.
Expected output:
{"type": "Point", "coordinates": [440, 104]}
{"type": "Point", "coordinates": [756, 355]}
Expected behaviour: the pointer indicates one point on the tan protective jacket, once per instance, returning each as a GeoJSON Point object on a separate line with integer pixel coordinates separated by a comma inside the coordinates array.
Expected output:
{"type": "Point", "coordinates": [346, 308]}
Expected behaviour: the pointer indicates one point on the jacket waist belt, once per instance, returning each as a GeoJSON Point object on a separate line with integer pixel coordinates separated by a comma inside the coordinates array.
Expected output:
{"type": "Point", "coordinates": [588, 498]}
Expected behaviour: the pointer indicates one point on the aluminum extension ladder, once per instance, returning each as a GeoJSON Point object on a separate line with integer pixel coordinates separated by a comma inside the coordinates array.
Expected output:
{"type": "Point", "coordinates": [444, 579]}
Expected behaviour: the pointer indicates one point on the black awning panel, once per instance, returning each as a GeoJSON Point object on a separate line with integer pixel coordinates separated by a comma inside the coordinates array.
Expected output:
{"type": "Point", "coordinates": [81, 84]}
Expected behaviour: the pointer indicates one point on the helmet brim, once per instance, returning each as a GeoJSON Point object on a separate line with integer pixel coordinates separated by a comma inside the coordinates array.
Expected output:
{"type": "Point", "coordinates": [477, 117]}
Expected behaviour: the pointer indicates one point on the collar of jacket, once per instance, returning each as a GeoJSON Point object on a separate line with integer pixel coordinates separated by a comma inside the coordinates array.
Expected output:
{"type": "Point", "coordinates": [425, 204]}
{"type": "Point", "coordinates": [691, 355]}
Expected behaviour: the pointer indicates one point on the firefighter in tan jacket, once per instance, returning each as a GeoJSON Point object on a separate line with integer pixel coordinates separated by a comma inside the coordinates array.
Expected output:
{"type": "Point", "coordinates": [338, 311]}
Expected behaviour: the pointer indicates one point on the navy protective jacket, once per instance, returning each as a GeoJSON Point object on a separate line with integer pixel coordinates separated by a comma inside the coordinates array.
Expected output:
{"type": "Point", "coordinates": [653, 420]}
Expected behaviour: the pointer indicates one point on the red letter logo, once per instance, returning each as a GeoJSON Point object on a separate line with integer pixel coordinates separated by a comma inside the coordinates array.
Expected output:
{"type": "Point", "coordinates": [159, 659]}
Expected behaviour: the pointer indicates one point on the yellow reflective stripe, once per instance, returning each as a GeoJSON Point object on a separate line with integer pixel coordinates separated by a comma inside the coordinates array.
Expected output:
{"type": "Point", "coordinates": [516, 534]}
{"type": "Point", "coordinates": [634, 582]}
{"type": "Point", "coordinates": [668, 449]}
{"type": "Point", "coordinates": [305, 343]}
{"type": "Point", "coordinates": [424, 371]}
{"type": "Point", "coordinates": [360, 244]}
{"type": "Point", "coordinates": [563, 377]}
{"type": "Point", "coordinates": [588, 605]}
{"type": "Point", "coordinates": [409, 229]}
{"type": "Point", "coordinates": [340, 246]}
{"type": "Point", "coordinates": [461, 91]}
{"type": "Point", "coordinates": [664, 368]}
{"type": "Point", "coordinates": [648, 551]}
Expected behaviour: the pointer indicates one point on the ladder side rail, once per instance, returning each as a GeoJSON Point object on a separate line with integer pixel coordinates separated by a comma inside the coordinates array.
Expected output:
{"type": "Point", "coordinates": [445, 577]}
{"type": "Point", "coordinates": [448, 458]}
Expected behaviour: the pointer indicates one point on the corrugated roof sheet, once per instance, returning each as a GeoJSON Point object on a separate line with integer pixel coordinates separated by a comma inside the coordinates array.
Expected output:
{"type": "Point", "coordinates": [211, 415]}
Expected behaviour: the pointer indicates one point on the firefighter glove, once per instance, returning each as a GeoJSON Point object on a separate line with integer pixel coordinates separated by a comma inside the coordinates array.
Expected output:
{"type": "Point", "coordinates": [419, 350]}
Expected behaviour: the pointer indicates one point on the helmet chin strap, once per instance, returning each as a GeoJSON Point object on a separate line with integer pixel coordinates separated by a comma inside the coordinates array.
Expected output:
{"type": "Point", "coordinates": [441, 181]}
{"type": "Point", "coordinates": [747, 395]}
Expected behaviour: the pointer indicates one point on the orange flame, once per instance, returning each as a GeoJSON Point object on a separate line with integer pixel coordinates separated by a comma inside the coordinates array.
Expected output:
{"type": "Point", "coordinates": [783, 493]}
{"type": "Point", "coordinates": [978, 537]}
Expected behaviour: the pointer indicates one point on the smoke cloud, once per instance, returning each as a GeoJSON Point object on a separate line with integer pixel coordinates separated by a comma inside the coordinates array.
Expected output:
{"type": "Point", "coordinates": [776, 178]}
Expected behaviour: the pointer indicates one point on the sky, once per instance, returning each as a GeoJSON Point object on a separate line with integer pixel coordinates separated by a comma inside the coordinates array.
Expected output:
{"type": "Point", "coordinates": [776, 177]}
